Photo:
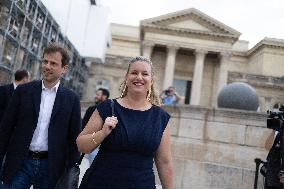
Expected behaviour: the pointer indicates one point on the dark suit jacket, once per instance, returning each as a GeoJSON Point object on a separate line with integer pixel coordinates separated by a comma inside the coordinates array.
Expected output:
{"type": "Point", "coordinates": [20, 121]}
{"type": "Point", "coordinates": [6, 92]}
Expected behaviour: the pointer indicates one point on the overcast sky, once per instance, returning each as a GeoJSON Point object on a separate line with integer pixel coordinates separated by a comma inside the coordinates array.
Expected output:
{"type": "Point", "coordinates": [255, 19]}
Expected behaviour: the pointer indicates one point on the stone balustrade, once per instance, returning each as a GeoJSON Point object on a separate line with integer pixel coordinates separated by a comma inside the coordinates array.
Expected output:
{"type": "Point", "coordinates": [216, 148]}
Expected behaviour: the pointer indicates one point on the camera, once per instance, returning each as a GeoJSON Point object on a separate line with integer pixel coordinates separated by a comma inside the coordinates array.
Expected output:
{"type": "Point", "coordinates": [275, 120]}
{"type": "Point", "coordinates": [281, 173]}
{"type": "Point", "coordinates": [167, 92]}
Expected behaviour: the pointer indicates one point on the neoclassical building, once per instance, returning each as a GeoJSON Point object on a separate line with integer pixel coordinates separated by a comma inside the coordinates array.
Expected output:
{"type": "Point", "coordinates": [195, 53]}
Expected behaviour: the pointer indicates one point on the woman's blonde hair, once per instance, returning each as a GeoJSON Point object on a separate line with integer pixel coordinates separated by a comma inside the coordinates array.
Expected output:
{"type": "Point", "coordinates": [152, 97]}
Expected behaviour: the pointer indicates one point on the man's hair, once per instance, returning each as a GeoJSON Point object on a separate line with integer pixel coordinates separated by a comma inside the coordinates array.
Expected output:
{"type": "Point", "coordinates": [55, 47]}
{"type": "Point", "coordinates": [104, 91]}
{"type": "Point", "coordinates": [21, 74]}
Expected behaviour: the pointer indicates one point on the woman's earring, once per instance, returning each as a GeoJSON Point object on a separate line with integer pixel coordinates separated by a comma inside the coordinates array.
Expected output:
{"type": "Point", "coordinates": [149, 95]}
{"type": "Point", "coordinates": [123, 91]}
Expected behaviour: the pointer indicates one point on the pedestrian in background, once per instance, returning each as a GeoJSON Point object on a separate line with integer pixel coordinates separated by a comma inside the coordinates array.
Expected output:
{"type": "Point", "coordinates": [169, 96]}
{"type": "Point", "coordinates": [6, 91]}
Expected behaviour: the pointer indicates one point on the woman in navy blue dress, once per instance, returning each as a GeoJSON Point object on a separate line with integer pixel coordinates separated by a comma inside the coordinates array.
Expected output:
{"type": "Point", "coordinates": [132, 139]}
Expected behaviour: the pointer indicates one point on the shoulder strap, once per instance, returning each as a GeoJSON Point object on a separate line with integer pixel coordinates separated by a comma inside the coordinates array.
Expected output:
{"type": "Point", "coordinates": [80, 160]}
{"type": "Point", "coordinates": [112, 107]}
{"type": "Point", "coordinates": [112, 114]}
{"type": "Point", "coordinates": [277, 139]}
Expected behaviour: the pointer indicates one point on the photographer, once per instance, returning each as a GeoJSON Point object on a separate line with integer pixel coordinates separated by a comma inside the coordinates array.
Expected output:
{"type": "Point", "coordinates": [170, 96]}
{"type": "Point", "coordinates": [273, 179]}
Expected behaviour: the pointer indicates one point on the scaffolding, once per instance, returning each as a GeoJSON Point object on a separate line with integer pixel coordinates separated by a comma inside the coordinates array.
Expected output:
{"type": "Point", "coordinates": [26, 28]}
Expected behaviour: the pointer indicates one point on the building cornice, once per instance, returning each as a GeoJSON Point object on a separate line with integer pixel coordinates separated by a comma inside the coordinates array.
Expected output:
{"type": "Point", "coordinates": [267, 43]}
{"type": "Point", "coordinates": [184, 31]}
{"type": "Point", "coordinates": [257, 80]}
{"type": "Point", "coordinates": [192, 46]}
{"type": "Point", "coordinates": [125, 38]}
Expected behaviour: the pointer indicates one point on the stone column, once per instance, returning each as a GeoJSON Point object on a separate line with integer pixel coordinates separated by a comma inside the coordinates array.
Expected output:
{"type": "Point", "coordinates": [222, 76]}
{"type": "Point", "coordinates": [170, 66]}
{"type": "Point", "coordinates": [269, 102]}
{"type": "Point", "coordinates": [223, 71]}
{"type": "Point", "coordinates": [197, 77]}
{"type": "Point", "coordinates": [147, 49]}
{"type": "Point", "coordinates": [262, 104]}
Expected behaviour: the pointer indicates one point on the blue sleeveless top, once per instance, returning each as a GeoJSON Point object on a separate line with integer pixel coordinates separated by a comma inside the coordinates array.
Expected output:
{"type": "Point", "coordinates": [125, 158]}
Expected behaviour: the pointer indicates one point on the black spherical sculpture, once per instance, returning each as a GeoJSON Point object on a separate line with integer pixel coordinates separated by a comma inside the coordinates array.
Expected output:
{"type": "Point", "coordinates": [238, 95]}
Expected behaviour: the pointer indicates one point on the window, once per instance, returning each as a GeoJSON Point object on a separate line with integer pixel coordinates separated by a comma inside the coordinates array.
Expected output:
{"type": "Point", "coordinates": [8, 54]}
{"type": "Point", "coordinates": [183, 88]}
{"type": "Point", "coordinates": [4, 17]}
{"type": "Point", "coordinates": [102, 84]}
{"type": "Point", "coordinates": [21, 3]}
{"type": "Point", "coordinates": [14, 27]}
{"type": "Point", "coordinates": [53, 34]}
{"type": "Point", "coordinates": [47, 28]}
{"type": "Point", "coordinates": [39, 19]}
{"type": "Point", "coordinates": [31, 10]}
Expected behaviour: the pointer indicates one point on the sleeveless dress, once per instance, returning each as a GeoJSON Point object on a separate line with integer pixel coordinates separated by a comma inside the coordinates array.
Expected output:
{"type": "Point", "coordinates": [125, 158]}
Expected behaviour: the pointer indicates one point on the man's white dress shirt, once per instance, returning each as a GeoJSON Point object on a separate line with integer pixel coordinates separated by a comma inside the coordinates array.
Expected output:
{"type": "Point", "coordinates": [40, 137]}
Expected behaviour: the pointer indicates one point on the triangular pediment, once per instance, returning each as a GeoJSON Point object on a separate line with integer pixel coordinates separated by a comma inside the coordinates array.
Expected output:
{"type": "Point", "coordinates": [189, 24]}
{"type": "Point", "coordinates": [191, 20]}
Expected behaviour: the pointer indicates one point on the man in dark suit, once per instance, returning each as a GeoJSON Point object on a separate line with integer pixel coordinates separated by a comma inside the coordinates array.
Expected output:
{"type": "Point", "coordinates": [101, 95]}
{"type": "Point", "coordinates": [39, 128]}
{"type": "Point", "coordinates": [6, 91]}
